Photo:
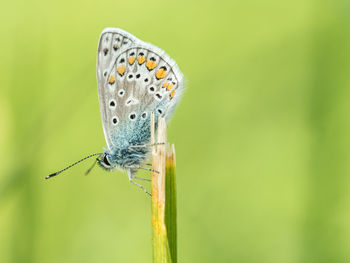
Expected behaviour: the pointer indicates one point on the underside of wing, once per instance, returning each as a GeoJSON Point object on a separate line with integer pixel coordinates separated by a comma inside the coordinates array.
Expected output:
{"type": "Point", "coordinates": [135, 81]}
{"type": "Point", "coordinates": [111, 42]}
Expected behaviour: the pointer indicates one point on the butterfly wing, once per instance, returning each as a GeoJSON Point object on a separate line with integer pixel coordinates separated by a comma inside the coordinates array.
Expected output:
{"type": "Point", "coordinates": [111, 42]}
{"type": "Point", "coordinates": [142, 79]}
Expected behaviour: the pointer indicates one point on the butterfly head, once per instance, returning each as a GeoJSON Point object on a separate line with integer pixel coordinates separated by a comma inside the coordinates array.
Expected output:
{"type": "Point", "coordinates": [105, 161]}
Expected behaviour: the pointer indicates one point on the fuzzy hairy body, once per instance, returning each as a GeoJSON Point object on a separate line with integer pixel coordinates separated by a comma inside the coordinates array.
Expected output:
{"type": "Point", "coordinates": [120, 154]}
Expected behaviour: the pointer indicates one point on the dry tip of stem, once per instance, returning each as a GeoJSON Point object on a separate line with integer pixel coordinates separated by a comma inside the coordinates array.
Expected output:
{"type": "Point", "coordinates": [163, 161]}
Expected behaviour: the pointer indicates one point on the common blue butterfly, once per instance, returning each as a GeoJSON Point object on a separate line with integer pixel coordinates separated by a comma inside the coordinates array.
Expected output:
{"type": "Point", "coordinates": [134, 79]}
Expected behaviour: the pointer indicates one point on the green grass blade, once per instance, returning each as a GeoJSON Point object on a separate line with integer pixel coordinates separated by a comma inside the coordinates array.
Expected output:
{"type": "Point", "coordinates": [170, 202]}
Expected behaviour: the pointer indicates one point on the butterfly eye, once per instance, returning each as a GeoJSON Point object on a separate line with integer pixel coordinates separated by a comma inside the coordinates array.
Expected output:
{"type": "Point", "coordinates": [105, 160]}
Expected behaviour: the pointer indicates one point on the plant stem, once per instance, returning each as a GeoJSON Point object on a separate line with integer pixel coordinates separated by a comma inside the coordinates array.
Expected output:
{"type": "Point", "coordinates": [163, 197]}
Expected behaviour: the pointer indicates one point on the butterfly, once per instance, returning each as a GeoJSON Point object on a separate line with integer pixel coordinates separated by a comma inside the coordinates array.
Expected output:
{"type": "Point", "coordinates": [135, 79]}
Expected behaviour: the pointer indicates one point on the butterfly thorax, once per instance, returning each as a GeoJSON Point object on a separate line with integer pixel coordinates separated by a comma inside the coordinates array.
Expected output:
{"type": "Point", "coordinates": [123, 153]}
{"type": "Point", "coordinates": [127, 157]}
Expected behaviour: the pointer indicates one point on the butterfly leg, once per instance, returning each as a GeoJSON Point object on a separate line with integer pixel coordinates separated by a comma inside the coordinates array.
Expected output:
{"type": "Point", "coordinates": [89, 170]}
{"type": "Point", "coordinates": [131, 176]}
{"type": "Point", "coordinates": [145, 168]}
{"type": "Point", "coordinates": [141, 178]}
{"type": "Point", "coordinates": [142, 168]}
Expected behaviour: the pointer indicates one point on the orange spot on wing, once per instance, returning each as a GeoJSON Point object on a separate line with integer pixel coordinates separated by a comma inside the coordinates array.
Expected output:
{"type": "Point", "coordinates": [111, 79]}
{"type": "Point", "coordinates": [141, 60]}
{"type": "Point", "coordinates": [131, 60]}
{"type": "Point", "coordinates": [161, 73]}
{"type": "Point", "coordinates": [121, 70]}
{"type": "Point", "coordinates": [172, 94]}
{"type": "Point", "coordinates": [151, 64]}
{"type": "Point", "coordinates": [166, 84]}
{"type": "Point", "coordinates": [170, 86]}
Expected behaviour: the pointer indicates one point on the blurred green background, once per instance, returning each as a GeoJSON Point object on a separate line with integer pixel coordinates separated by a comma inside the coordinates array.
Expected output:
{"type": "Point", "coordinates": [262, 133]}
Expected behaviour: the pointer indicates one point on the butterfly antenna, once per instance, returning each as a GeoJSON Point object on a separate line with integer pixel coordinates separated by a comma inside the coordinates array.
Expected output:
{"type": "Point", "coordinates": [92, 166]}
{"type": "Point", "coordinates": [54, 174]}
